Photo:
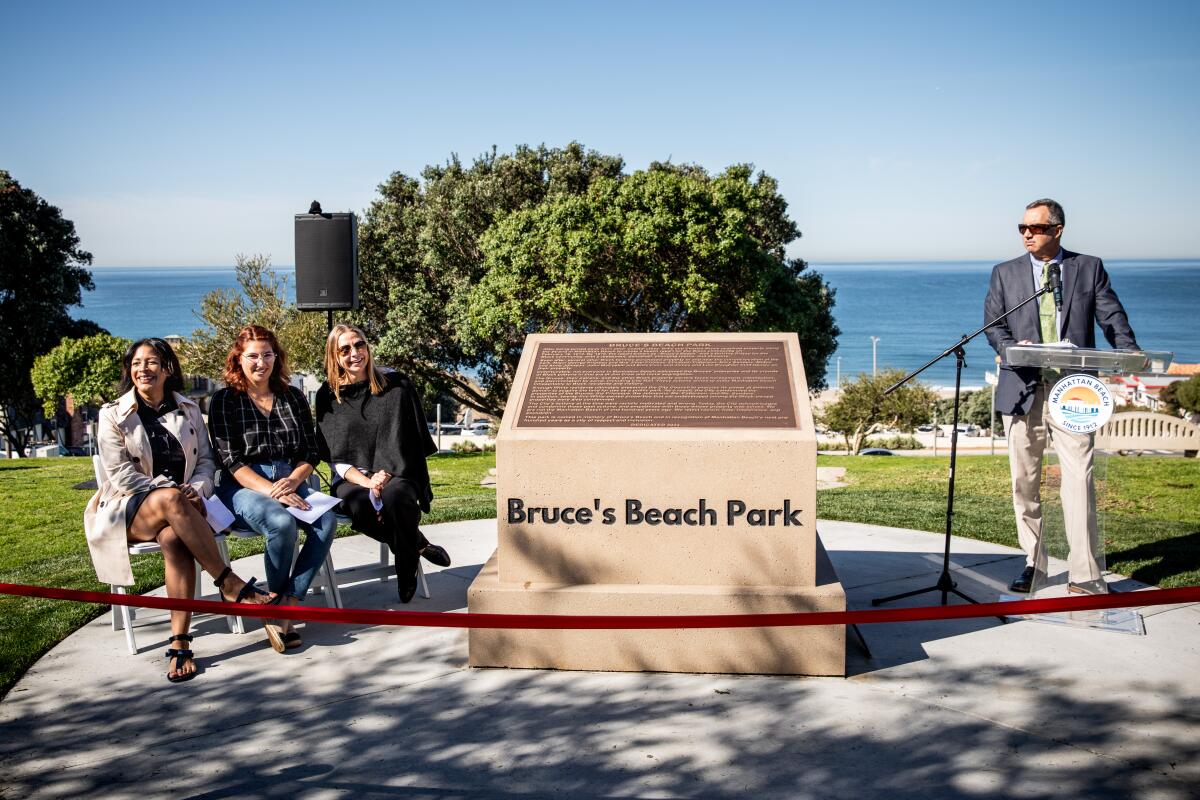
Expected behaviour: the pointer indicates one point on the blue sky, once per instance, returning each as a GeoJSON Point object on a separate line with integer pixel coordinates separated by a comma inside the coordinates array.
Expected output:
{"type": "Point", "coordinates": [178, 134]}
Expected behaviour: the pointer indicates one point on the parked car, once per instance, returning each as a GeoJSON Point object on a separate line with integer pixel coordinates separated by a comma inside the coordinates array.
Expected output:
{"type": "Point", "coordinates": [875, 451]}
{"type": "Point", "coordinates": [965, 428]}
{"type": "Point", "coordinates": [478, 429]}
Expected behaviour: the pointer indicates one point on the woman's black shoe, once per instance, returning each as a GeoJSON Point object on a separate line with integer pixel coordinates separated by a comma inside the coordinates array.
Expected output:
{"type": "Point", "coordinates": [406, 586]}
{"type": "Point", "coordinates": [435, 555]}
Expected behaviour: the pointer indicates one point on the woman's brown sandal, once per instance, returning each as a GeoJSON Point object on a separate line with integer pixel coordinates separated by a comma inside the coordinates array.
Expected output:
{"type": "Point", "coordinates": [274, 635]}
{"type": "Point", "coordinates": [179, 656]}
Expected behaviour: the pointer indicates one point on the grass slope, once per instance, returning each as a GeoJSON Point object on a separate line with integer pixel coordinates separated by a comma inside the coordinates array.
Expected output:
{"type": "Point", "coordinates": [42, 543]}
{"type": "Point", "coordinates": [1151, 519]}
{"type": "Point", "coordinates": [1149, 506]}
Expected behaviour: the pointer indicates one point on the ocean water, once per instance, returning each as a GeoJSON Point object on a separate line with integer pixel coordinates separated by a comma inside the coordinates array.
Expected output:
{"type": "Point", "coordinates": [135, 302]}
{"type": "Point", "coordinates": [915, 309]}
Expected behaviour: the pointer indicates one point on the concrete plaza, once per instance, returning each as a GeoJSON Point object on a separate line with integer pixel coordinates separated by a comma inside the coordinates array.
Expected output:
{"type": "Point", "coordinates": [957, 709]}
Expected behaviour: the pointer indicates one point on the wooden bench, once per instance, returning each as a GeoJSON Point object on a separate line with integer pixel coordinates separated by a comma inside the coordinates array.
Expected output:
{"type": "Point", "coordinates": [1144, 430]}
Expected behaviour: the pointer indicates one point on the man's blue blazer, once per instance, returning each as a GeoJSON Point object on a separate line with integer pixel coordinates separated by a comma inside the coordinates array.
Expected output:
{"type": "Point", "coordinates": [1088, 301]}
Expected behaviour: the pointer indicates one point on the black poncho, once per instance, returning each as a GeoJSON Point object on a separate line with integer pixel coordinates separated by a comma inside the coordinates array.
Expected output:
{"type": "Point", "coordinates": [385, 431]}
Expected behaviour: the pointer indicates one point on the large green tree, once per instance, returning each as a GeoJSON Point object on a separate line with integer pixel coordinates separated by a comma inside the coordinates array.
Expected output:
{"type": "Point", "coordinates": [87, 369]}
{"type": "Point", "coordinates": [458, 268]}
{"type": "Point", "coordinates": [420, 254]}
{"type": "Point", "coordinates": [862, 408]}
{"type": "Point", "coordinates": [261, 300]}
{"type": "Point", "coordinates": [42, 274]}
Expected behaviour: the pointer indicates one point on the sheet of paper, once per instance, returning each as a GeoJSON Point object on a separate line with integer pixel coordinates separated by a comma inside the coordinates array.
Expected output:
{"type": "Point", "coordinates": [318, 503]}
{"type": "Point", "coordinates": [219, 517]}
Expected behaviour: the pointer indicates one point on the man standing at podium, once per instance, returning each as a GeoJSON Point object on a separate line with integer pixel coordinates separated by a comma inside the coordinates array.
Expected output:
{"type": "Point", "coordinates": [1087, 300]}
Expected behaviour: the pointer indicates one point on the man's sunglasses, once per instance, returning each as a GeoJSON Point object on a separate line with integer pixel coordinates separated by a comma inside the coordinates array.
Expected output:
{"type": "Point", "coordinates": [1037, 230]}
{"type": "Point", "coordinates": [344, 350]}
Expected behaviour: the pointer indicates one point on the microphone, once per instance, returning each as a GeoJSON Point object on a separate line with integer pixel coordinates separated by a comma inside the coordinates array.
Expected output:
{"type": "Point", "coordinates": [1055, 280]}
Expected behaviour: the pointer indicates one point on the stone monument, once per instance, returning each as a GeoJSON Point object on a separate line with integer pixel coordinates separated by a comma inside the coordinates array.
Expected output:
{"type": "Point", "coordinates": [659, 474]}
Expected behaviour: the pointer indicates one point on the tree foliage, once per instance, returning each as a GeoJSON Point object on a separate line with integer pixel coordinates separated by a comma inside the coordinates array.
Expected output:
{"type": "Point", "coordinates": [1187, 394]}
{"type": "Point", "coordinates": [975, 406]}
{"type": "Point", "coordinates": [420, 254]}
{"type": "Point", "coordinates": [42, 274]}
{"type": "Point", "coordinates": [1168, 402]}
{"type": "Point", "coordinates": [975, 409]}
{"type": "Point", "coordinates": [87, 369]}
{"type": "Point", "coordinates": [862, 408]}
{"type": "Point", "coordinates": [458, 268]}
{"type": "Point", "coordinates": [262, 300]}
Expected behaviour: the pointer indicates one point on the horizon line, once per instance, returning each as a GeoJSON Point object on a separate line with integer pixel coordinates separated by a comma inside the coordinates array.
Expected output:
{"type": "Point", "coordinates": [816, 262]}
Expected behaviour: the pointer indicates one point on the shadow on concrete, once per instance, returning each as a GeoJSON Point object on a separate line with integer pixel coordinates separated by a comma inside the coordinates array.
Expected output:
{"type": "Point", "coordinates": [410, 730]}
{"type": "Point", "coordinates": [1182, 553]}
{"type": "Point", "coordinates": [400, 716]}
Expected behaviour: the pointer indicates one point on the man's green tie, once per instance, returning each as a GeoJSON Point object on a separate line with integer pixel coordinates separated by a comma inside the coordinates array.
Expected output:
{"type": "Point", "coordinates": [1049, 322]}
{"type": "Point", "coordinates": [1046, 310]}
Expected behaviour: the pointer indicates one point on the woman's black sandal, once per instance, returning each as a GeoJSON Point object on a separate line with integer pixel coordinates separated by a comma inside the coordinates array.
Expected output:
{"type": "Point", "coordinates": [180, 655]}
{"type": "Point", "coordinates": [246, 591]}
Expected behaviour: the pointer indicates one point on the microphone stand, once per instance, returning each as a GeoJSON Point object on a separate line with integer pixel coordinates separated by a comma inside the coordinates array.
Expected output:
{"type": "Point", "coordinates": [945, 584]}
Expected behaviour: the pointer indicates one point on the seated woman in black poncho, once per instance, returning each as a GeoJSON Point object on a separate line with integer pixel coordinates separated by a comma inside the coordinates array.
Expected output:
{"type": "Point", "coordinates": [373, 433]}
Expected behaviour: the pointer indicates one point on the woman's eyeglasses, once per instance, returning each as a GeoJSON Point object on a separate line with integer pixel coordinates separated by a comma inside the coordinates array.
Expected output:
{"type": "Point", "coordinates": [254, 358]}
{"type": "Point", "coordinates": [345, 349]}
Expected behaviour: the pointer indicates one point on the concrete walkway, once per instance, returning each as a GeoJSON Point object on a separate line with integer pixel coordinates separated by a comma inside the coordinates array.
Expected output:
{"type": "Point", "coordinates": [961, 709]}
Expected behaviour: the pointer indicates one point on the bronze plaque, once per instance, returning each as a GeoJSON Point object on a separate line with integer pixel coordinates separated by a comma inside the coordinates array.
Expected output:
{"type": "Point", "coordinates": [666, 384]}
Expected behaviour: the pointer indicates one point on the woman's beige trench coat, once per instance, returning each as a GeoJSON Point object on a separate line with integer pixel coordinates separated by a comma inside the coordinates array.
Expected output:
{"type": "Point", "coordinates": [127, 465]}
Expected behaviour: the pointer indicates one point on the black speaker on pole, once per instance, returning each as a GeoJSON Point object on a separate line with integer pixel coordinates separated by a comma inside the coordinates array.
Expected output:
{"type": "Point", "coordinates": [326, 262]}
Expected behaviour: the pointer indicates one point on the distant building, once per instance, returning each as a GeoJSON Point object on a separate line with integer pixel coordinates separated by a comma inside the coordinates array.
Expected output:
{"type": "Point", "coordinates": [1186, 370]}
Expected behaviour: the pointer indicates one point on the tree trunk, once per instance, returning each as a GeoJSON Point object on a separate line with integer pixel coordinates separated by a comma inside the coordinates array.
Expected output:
{"type": "Point", "coordinates": [858, 440]}
{"type": "Point", "coordinates": [16, 442]}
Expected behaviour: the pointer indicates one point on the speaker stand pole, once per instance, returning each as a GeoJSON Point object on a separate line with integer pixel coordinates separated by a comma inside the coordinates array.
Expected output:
{"type": "Point", "coordinates": [329, 320]}
{"type": "Point", "coordinates": [945, 583]}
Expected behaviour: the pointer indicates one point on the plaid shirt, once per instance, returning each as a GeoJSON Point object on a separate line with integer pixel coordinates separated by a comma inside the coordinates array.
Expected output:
{"type": "Point", "coordinates": [241, 435]}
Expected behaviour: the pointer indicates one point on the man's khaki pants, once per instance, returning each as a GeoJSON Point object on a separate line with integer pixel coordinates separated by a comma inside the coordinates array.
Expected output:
{"type": "Point", "coordinates": [1026, 443]}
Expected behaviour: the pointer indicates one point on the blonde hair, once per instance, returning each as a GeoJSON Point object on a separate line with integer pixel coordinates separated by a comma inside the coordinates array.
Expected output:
{"type": "Point", "coordinates": [333, 371]}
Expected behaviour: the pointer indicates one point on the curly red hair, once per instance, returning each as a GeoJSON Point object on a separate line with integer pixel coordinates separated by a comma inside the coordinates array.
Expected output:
{"type": "Point", "coordinates": [235, 377]}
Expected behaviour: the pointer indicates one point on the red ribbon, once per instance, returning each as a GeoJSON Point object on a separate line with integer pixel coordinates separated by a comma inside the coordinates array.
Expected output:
{"type": "Point", "coordinates": [440, 619]}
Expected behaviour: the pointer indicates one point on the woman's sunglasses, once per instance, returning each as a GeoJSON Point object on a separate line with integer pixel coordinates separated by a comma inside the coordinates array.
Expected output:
{"type": "Point", "coordinates": [345, 349]}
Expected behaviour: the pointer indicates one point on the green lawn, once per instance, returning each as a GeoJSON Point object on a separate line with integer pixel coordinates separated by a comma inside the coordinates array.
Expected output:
{"type": "Point", "coordinates": [1151, 524]}
{"type": "Point", "coordinates": [1150, 506]}
{"type": "Point", "coordinates": [42, 543]}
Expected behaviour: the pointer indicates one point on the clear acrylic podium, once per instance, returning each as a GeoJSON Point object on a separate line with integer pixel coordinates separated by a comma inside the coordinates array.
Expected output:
{"type": "Point", "coordinates": [1054, 547]}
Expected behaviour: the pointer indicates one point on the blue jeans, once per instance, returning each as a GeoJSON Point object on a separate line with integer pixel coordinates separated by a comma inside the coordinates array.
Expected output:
{"type": "Point", "coordinates": [265, 515]}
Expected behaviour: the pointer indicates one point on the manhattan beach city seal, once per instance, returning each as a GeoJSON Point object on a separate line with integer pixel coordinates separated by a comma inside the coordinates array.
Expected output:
{"type": "Point", "coordinates": [1080, 403]}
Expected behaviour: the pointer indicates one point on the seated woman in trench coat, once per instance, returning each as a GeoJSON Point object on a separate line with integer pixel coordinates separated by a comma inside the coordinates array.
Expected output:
{"type": "Point", "coordinates": [158, 467]}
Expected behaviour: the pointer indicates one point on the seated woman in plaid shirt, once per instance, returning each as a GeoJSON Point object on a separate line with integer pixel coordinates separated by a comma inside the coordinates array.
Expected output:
{"type": "Point", "coordinates": [263, 434]}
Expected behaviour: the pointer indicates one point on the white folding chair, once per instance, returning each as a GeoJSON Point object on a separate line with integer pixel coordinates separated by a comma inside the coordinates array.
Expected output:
{"type": "Point", "coordinates": [124, 616]}
{"type": "Point", "coordinates": [381, 569]}
{"type": "Point", "coordinates": [325, 577]}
